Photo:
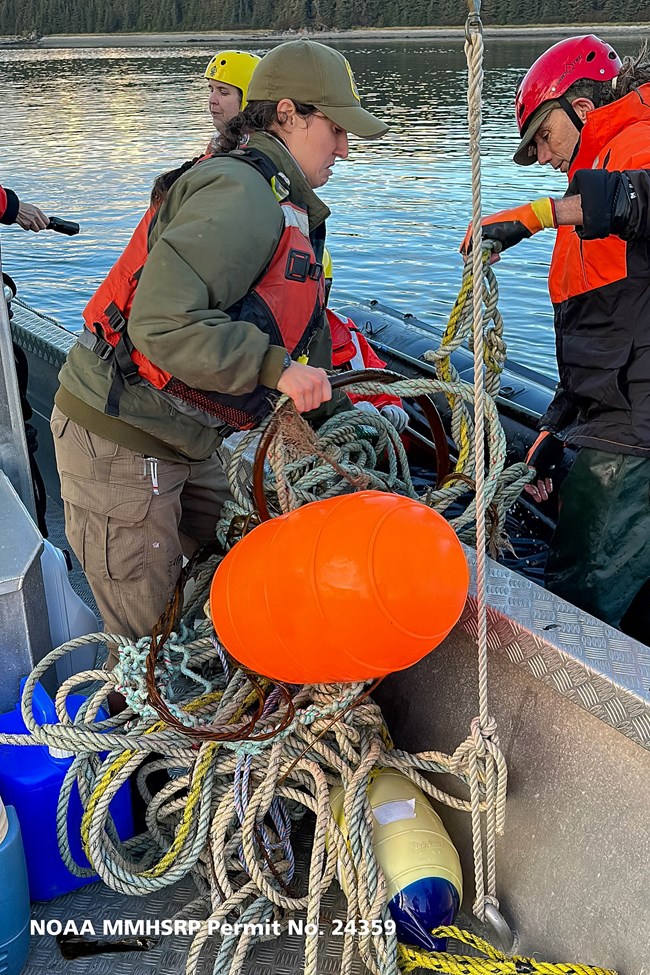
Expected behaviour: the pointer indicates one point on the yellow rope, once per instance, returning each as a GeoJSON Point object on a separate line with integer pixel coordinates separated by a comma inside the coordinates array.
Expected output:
{"type": "Point", "coordinates": [495, 962]}
{"type": "Point", "coordinates": [443, 366]}
{"type": "Point", "coordinates": [118, 764]}
{"type": "Point", "coordinates": [194, 792]}
{"type": "Point", "coordinates": [185, 825]}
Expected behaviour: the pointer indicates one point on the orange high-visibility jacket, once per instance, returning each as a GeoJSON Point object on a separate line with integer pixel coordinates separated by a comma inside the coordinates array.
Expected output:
{"type": "Point", "coordinates": [599, 284]}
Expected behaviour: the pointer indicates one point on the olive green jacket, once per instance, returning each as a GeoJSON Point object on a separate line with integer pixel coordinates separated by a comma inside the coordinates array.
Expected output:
{"type": "Point", "coordinates": [215, 234]}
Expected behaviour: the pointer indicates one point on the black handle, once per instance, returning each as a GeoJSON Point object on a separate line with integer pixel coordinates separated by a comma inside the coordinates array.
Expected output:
{"type": "Point", "coordinates": [67, 227]}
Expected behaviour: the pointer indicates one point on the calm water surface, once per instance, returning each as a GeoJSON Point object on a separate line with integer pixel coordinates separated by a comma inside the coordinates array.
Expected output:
{"type": "Point", "coordinates": [85, 133]}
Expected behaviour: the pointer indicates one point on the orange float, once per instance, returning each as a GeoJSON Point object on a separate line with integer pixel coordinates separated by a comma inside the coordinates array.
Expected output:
{"type": "Point", "coordinates": [343, 589]}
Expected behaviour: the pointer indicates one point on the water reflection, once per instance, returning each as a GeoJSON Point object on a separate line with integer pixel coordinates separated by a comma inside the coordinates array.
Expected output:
{"type": "Point", "coordinates": [87, 131]}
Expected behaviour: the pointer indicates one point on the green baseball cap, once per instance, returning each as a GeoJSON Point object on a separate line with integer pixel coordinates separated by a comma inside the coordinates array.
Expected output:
{"type": "Point", "coordinates": [314, 74]}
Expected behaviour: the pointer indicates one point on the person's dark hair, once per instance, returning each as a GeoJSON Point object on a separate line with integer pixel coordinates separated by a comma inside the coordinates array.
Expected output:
{"type": "Point", "coordinates": [635, 71]}
{"type": "Point", "coordinates": [163, 183]}
{"type": "Point", "coordinates": [259, 116]}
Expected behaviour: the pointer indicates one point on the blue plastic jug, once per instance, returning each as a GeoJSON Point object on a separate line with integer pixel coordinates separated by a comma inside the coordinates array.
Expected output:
{"type": "Point", "coordinates": [30, 780]}
{"type": "Point", "coordinates": [14, 895]}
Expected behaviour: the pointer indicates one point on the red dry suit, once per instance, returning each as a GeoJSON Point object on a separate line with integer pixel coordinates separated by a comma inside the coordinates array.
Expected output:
{"type": "Point", "coordinates": [9, 204]}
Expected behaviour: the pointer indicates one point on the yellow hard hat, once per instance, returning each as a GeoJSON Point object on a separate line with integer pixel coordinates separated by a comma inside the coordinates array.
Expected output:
{"type": "Point", "coordinates": [233, 68]}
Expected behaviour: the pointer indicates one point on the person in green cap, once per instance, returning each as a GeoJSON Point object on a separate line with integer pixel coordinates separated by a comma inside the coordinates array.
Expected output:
{"type": "Point", "coordinates": [227, 315]}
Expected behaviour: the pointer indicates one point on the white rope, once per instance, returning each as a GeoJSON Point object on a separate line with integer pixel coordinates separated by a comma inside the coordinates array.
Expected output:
{"type": "Point", "coordinates": [214, 819]}
{"type": "Point", "coordinates": [482, 746]}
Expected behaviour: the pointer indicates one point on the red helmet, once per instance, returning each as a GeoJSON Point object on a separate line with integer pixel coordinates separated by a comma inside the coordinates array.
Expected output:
{"type": "Point", "coordinates": [561, 66]}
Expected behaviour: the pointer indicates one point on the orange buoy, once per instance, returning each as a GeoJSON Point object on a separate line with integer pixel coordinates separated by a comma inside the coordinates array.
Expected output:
{"type": "Point", "coordinates": [344, 589]}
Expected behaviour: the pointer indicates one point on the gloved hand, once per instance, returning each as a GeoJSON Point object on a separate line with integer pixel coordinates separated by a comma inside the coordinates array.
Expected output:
{"type": "Point", "coordinates": [396, 415]}
{"type": "Point", "coordinates": [545, 456]}
{"type": "Point", "coordinates": [509, 227]}
{"type": "Point", "coordinates": [366, 407]}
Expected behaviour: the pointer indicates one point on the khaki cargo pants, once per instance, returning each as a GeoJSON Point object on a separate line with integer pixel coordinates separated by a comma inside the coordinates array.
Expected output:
{"type": "Point", "coordinates": [131, 541]}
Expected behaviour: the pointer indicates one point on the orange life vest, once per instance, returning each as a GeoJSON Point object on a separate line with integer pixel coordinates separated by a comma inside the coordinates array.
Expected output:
{"type": "Point", "coordinates": [286, 303]}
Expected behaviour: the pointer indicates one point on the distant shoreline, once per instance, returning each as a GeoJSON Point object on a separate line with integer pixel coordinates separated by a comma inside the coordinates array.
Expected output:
{"type": "Point", "coordinates": [221, 38]}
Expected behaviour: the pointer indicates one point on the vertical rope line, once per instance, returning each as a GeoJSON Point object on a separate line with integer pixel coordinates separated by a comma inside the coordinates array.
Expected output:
{"type": "Point", "coordinates": [474, 53]}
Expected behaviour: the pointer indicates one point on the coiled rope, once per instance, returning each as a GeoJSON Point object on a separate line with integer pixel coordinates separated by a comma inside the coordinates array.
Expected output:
{"type": "Point", "coordinates": [494, 962]}
{"type": "Point", "coordinates": [358, 449]}
{"type": "Point", "coordinates": [226, 815]}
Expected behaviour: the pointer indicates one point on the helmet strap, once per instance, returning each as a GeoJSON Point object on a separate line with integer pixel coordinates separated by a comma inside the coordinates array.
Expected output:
{"type": "Point", "coordinates": [571, 112]}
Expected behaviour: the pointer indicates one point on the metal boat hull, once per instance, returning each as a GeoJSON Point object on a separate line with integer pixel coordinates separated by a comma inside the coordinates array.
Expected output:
{"type": "Point", "coordinates": [572, 700]}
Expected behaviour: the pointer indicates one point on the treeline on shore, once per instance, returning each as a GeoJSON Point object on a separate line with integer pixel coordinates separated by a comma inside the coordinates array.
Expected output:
{"type": "Point", "coordinates": [108, 16]}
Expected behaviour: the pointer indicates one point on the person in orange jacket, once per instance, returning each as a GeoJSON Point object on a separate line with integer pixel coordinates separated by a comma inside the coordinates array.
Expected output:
{"type": "Point", "coordinates": [26, 215]}
{"type": "Point", "coordinates": [586, 114]}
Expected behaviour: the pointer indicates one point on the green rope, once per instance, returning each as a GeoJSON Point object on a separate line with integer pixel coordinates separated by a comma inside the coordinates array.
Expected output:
{"type": "Point", "coordinates": [358, 442]}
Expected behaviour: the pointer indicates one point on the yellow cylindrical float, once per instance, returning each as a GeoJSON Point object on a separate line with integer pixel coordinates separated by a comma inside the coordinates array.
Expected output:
{"type": "Point", "coordinates": [422, 869]}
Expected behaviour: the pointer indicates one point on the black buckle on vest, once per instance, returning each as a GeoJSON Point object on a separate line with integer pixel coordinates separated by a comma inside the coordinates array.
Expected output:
{"type": "Point", "coordinates": [300, 267]}
{"type": "Point", "coordinates": [102, 348]}
{"type": "Point", "coordinates": [116, 319]}
{"type": "Point", "coordinates": [95, 342]}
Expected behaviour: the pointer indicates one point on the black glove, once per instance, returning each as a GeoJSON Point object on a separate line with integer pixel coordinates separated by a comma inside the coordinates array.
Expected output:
{"type": "Point", "coordinates": [509, 227]}
{"type": "Point", "coordinates": [546, 454]}
{"type": "Point", "coordinates": [607, 203]}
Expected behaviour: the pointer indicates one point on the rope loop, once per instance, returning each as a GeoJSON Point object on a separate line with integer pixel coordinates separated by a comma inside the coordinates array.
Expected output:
{"type": "Point", "coordinates": [473, 25]}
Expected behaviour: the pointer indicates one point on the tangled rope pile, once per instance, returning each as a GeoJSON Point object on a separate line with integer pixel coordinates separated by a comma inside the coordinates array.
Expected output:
{"type": "Point", "coordinates": [357, 449]}
{"type": "Point", "coordinates": [226, 814]}
{"type": "Point", "coordinates": [304, 467]}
